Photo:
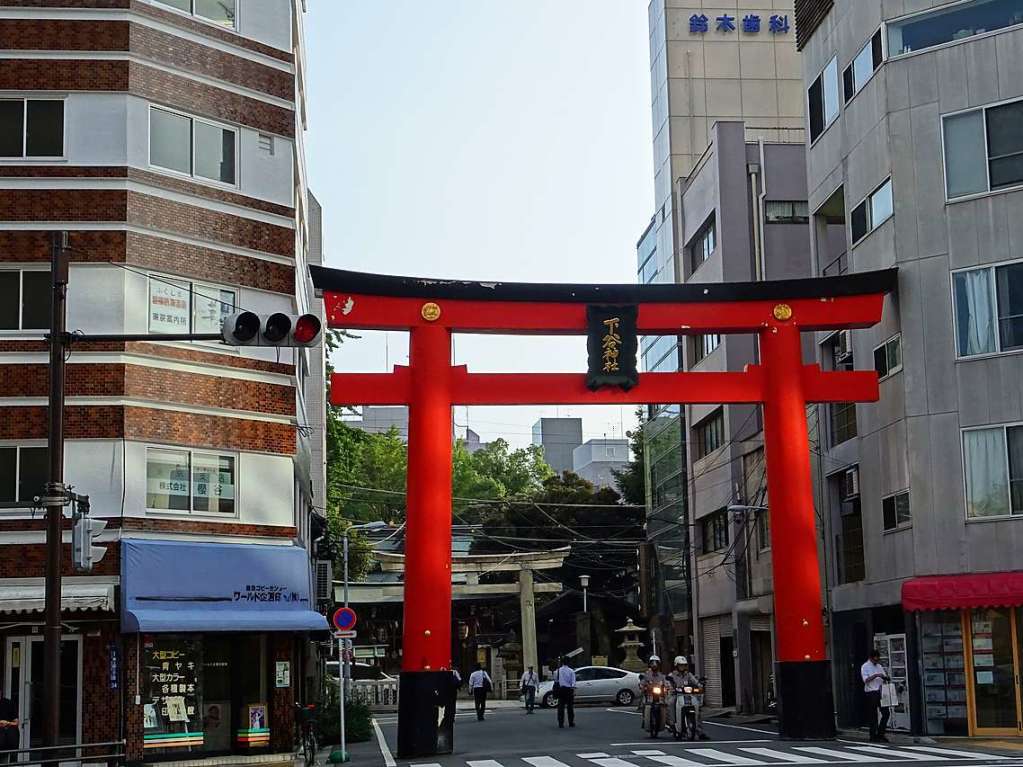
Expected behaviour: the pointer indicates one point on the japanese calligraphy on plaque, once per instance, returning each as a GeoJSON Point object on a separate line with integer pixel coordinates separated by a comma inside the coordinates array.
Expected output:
{"type": "Point", "coordinates": [611, 346]}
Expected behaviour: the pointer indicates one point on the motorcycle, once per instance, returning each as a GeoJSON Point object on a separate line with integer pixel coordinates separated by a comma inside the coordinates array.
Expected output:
{"type": "Point", "coordinates": [655, 710]}
{"type": "Point", "coordinates": [688, 700]}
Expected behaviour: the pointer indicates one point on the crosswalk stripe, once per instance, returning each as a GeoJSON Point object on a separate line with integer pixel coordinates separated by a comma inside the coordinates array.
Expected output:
{"type": "Point", "coordinates": [675, 761]}
{"type": "Point", "coordinates": [485, 763]}
{"type": "Point", "coordinates": [613, 761]}
{"type": "Point", "coordinates": [950, 752]}
{"type": "Point", "coordinates": [847, 756]}
{"type": "Point", "coordinates": [594, 755]}
{"type": "Point", "coordinates": [647, 752]}
{"type": "Point", "coordinates": [783, 756]}
{"type": "Point", "coordinates": [882, 751]}
{"type": "Point", "coordinates": [721, 756]}
{"type": "Point", "coordinates": [543, 761]}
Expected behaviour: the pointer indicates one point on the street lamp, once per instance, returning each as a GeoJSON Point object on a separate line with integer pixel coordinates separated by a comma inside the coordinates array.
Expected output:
{"type": "Point", "coordinates": [585, 581]}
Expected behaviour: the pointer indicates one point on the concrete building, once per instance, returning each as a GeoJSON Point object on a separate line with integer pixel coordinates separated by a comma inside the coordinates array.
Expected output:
{"type": "Point", "coordinates": [731, 205]}
{"type": "Point", "coordinates": [916, 127]}
{"type": "Point", "coordinates": [166, 137]}
{"type": "Point", "coordinates": [558, 437]}
{"type": "Point", "coordinates": [596, 460]}
{"type": "Point", "coordinates": [380, 419]}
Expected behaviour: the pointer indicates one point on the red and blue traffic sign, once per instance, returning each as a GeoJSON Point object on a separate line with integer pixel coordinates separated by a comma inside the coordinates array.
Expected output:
{"type": "Point", "coordinates": [344, 619]}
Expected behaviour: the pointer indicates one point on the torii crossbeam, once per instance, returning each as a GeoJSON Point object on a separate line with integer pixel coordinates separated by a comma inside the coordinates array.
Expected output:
{"type": "Point", "coordinates": [776, 311]}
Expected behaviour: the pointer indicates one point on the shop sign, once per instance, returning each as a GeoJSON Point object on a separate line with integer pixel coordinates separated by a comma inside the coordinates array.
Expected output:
{"type": "Point", "coordinates": [267, 593]}
{"type": "Point", "coordinates": [172, 673]}
{"type": "Point", "coordinates": [114, 666]}
{"type": "Point", "coordinates": [283, 675]}
{"type": "Point", "coordinates": [700, 24]}
{"type": "Point", "coordinates": [168, 307]}
{"type": "Point", "coordinates": [611, 346]}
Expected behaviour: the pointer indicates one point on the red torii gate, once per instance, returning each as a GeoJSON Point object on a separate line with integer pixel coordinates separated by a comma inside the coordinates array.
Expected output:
{"type": "Point", "coordinates": [777, 311]}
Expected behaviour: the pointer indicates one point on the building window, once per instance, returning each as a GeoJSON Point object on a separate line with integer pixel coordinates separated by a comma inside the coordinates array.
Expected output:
{"type": "Point", "coordinates": [993, 461]}
{"type": "Point", "coordinates": [31, 128]}
{"type": "Point", "coordinates": [888, 357]}
{"type": "Point", "coordinates": [875, 209]}
{"type": "Point", "coordinates": [190, 481]}
{"type": "Point", "coordinates": [223, 13]}
{"type": "Point", "coordinates": [704, 345]}
{"type": "Point", "coordinates": [179, 306]}
{"type": "Point", "coordinates": [715, 531]}
{"type": "Point", "coordinates": [24, 472]}
{"type": "Point", "coordinates": [703, 244]}
{"type": "Point", "coordinates": [988, 309]}
{"type": "Point", "coordinates": [764, 529]}
{"type": "Point", "coordinates": [851, 564]}
{"type": "Point", "coordinates": [822, 98]}
{"type": "Point", "coordinates": [843, 422]}
{"type": "Point", "coordinates": [956, 22]}
{"type": "Point", "coordinates": [895, 511]}
{"type": "Point", "coordinates": [983, 149]}
{"type": "Point", "coordinates": [710, 434]}
{"type": "Point", "coordinates": [24, 300]}
{"type": "Point", "coordinates": [787, 212]}
{"type": "Point", "coordinates": [191, 146]}
{"type": "Point", "coordinates": [862, 67]}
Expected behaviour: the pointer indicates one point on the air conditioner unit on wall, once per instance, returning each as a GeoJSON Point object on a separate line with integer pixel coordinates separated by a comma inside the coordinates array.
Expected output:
{"type": "Point", "coordinates": [843, 346]}
{"type": "Point", "coordinates": [324, 571]}
{"type": "Point", "coordinates": [851, 483]}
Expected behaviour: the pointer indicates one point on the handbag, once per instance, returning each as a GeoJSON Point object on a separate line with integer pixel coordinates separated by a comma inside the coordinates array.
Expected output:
{"type": "Point", "coordinates": [889, 695]}
{"type": "Point", "coordinates": [557, 683]}
{"type": "Point", "coordinates": [487, 685]}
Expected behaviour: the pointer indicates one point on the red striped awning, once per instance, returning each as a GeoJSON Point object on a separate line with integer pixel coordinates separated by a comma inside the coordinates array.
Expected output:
{"type": "Point", "coordinates": [951, 592]}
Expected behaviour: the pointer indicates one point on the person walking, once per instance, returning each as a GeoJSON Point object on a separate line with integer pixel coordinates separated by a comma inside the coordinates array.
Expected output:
{"type": "Point", "coordinates": [529, 684]}
{"type": "Point", "coordinates": [10, 735]}
{"type": "Point", "coordinates": [564, 687]}
{"type": "Point", "coordinates": [874, 676]}
{"type": "Point", "coordinates": [480, 684]}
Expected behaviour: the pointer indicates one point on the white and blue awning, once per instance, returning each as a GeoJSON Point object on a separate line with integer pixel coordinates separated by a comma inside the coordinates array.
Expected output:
{"type": "Point", "coordinates": [178, 586]}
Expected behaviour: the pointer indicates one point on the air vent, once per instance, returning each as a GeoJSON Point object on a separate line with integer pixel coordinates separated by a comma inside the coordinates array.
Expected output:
{"type": "Point", "coordinates": [266, 143]}
{"type": "Point", "coordinates": [324, 580]}
{"type": "Point", "coordinates": [851, 483]}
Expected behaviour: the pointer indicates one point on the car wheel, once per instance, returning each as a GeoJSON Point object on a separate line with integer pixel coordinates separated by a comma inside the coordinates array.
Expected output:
{"type": "Point", "coordinates": [548, 700]}
{"type": "Point", "coordinates": [625, 697]}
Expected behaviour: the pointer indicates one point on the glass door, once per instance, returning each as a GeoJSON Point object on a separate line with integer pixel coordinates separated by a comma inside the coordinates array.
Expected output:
{"type": "Point", "coordinates": [994, 669]}
{"type": "Point", "coordinates": [23, 684]}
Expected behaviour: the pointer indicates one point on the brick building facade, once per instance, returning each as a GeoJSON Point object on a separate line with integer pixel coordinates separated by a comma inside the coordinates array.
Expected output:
{"type": "Point", "coordinates": [166, 137]}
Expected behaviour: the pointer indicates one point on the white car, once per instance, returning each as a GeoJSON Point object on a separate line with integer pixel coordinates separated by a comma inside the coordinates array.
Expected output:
{"type": "Point", "coordinates": [596, 683]}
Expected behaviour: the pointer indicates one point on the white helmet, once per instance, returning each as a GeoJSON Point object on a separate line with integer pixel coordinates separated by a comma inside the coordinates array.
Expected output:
{"type": "Point", "coordinates": [680, 660]}
{"type": "Point", "coordinates": [654, 659]}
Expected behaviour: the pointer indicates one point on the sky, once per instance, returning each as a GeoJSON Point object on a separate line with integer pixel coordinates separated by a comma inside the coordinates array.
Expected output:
{"type": "Point", "coordinates": [482, 140]}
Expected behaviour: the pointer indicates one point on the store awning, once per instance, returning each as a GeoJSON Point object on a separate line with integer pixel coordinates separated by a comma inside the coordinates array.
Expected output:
{"type": "Point", "coordinates": [952, 592]}
{"type": "Point", "coordinates": [181, 586]}
{"type": "Point", "coordinates": [74, 597]}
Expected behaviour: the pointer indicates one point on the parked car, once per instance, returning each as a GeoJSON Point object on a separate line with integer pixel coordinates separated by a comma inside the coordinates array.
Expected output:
{"type": "Point", "coordinates": [361, 672]}
{"type": "Point", "coordinates": [597, 683]}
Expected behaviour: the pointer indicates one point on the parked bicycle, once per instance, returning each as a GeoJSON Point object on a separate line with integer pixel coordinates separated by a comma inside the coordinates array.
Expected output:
{"type": "Point", "coordinates": [305, 719]}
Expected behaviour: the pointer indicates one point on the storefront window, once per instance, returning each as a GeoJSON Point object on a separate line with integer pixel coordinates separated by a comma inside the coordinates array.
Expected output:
{"type": "Point", "coordinates": [994, 679]}
{"type": "Point", "coordinates": [944, 675]}
{"type": "Point", "coordinates": [171, 706]}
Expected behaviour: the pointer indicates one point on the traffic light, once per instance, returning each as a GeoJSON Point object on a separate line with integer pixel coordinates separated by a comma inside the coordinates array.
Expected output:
{"type": "Point", "coordinates": [277, 329]}
{"type": "Point", "coordinates": [84, 554]}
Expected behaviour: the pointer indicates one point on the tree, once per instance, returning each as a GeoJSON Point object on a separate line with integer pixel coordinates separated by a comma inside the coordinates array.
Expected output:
{"type": "Point", "coordinates": [631, 480]}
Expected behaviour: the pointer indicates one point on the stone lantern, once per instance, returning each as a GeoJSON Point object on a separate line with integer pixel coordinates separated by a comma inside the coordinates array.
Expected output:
{"type": "Point", "coordinates": [631, 644]}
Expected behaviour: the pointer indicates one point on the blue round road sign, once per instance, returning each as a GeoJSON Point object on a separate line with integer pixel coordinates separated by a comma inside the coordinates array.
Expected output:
{"type": "Point", "coordinates": [344, 619]}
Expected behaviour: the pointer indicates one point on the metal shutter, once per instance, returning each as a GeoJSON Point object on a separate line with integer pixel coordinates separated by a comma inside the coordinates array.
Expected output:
{"type": "Point", "coordinates": [760, 623]}
{"type": "Point", "coordinates": [711, 661]}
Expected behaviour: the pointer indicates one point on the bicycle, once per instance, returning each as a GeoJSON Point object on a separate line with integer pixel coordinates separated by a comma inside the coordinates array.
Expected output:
{"type": "Point", "coordinates": [305, 718]}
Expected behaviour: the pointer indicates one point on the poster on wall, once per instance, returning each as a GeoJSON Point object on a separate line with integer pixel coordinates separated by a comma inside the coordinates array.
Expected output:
{"type": "Point", "coordinates": [149, 720]}
{"type": "Point", "coordinates": [283, 675]}
{"type": "Point", "coordinates": [257, 716]}
{"type": "Point", "coordinates": [216, 725]}
{"type": "Point", "coordinates": [168, 306]}
{"type": "Point", "coordinates": [176, 711]}
{"type": "Point", "coordinates": [172, 668]}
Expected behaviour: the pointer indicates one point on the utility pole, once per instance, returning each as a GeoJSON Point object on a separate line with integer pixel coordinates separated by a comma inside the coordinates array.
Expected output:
{"type": "Point", "coordinates": [55, 495]}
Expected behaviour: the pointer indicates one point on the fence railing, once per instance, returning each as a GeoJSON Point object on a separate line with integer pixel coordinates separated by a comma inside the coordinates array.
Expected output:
{"type": "Point", "coordinates": [382, 695]}
{"type": "Point", "coordinates": [111, 752]}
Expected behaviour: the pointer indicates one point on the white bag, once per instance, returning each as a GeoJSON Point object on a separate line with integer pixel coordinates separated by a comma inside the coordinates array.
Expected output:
{"type": "Point", "coordinates": [889, 695]}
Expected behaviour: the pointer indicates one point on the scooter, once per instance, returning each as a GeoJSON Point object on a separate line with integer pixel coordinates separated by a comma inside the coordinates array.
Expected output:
{"type": "Point", "coordinates": [655, 710]}
{"type": "Point", "coordinates": [688, 700]}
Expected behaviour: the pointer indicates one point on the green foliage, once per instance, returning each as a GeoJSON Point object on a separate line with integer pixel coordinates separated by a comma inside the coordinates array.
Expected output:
{"type": "Point", "coordinates": [631, 480]}
{"type": "Point", "coordinates": [358, 723]}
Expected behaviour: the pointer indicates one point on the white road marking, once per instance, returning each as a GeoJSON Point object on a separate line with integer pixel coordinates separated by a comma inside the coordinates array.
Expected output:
{"type": "Point", "coordinates": [647, 752]}
{"type": "Point", "coordinates": [484, 763]}
{"type": "Point", "coordinates": [739, 727]}
{"type": "Point", "coordinates": [674, 761]}
{"type": "Point", "coordinates": [721, 756]}
{"type": "Point", "coordinates": [783, 756]}
{"type": "Point", "coordinates": [543, 761]}
{"type": "Point", "coordinates": [845, 756]}
{"type": "Point", "coordinates": [883, 751]}
{"type": "Point", "coordinates": [950, 752]}
{"type": "Point", "coordinates": [594, 755]}
{"type": "Point", "coordinates": [623, 711]}
{"type": "Point", "coordinates": [688, 743]}
{"type": "Point", "coordinates": [613, 761]}
{"type": "Point", "coordinates": [384, 750]}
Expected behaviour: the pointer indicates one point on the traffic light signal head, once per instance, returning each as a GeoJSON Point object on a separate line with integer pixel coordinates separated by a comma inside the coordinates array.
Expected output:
{"type": "Point", "coordinates": [84, 553]}
{"type": "Point", "coordinates": [277, 329]}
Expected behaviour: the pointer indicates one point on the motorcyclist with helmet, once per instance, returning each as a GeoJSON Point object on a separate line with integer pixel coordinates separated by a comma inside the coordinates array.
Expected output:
{"type": "Point", "coordinates": [652, 680]}
{"type": "Point", "coordinates": [680, 678]}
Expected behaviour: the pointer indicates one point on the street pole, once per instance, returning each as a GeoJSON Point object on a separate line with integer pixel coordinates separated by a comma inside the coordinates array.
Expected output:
{"type": "Point", "coordinates": [55, 491]}
{"type": "Point", "coordinates": [342, 657]}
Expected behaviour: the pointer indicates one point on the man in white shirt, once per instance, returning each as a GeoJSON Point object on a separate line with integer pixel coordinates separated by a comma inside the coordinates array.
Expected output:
{"type": "Point", "coordinates": [564, 683]}
{"type": "Point", "coordinates": [480, 684]}
{"type": "Point", "coordinates": [529, 684]}
{"type": "Point", "coordinates": [874, 676]}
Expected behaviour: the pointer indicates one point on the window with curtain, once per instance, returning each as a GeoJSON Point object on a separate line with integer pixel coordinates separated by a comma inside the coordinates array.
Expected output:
{"type": "Point", "coordinates": [988, 309]}
{"type": "Point", "coordinates": [983, 149]}
{"type": "Point", "coordinates": [993, 466]}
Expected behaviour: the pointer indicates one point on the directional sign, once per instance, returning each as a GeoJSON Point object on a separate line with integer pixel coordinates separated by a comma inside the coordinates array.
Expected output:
{"type": "Point", "coordinates": [344, 619]}
{"type": "Point", "coordinates": [345, 634]}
